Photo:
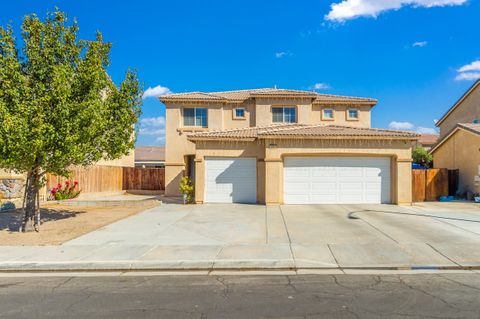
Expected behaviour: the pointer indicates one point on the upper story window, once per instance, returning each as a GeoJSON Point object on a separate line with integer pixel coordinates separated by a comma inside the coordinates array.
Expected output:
{"type": "Point", "coordinates": [239, 113]}
{"type": "Point", "coordinates": [284, 115]}
{"type": "Point", "coordinates": [327, 114]}
{"type": "Point", "coordinates": [195, 116]}
{"type": "Point", "coordinates": [352, 114]}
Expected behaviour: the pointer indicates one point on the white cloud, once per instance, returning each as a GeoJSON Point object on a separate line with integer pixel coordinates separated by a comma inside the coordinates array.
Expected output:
{"type": "Point", "coordinates": [351, 9]}
{"type": "Point", "coordinates": [156, 91]}
{"type": "Point", "coordinates": [282, 54]}
{"type": "Point", "coordinates": [420, 44]}
{"type": "Point", "coordinates": [153, 121]}
{"type": "Point", "coordinates": [468, 76]}
{"type": "Point", "coordinates": [401, 126]}
{"type": "Point", "coordinates": [426, 130]}
{"type": "Point", "coordinates": [151, 131]}
{"type": "Point", "coordinates": [469, 72]}
{"type": "Point", "coordinates": [407, 126]}
{"type": "Point", "coordinates": [153, 126]}
{"type": "Point", "coordinates": [474, 66]}
{"type": "Point", "coordinates": [319, 86]}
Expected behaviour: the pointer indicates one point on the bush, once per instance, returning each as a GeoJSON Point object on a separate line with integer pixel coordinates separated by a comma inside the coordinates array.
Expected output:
{"type": "Point", "coordinates": [186, 188]}
{"type": "Point", "coordinates": [68, 192]}
{"type": "Point", "coordinates": [421, 156]}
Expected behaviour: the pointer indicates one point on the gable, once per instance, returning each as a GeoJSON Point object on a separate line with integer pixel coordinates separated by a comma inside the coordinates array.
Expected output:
{"type": "Point", "coordinates": [469, 129]}
{"type": "Point", "coordinates": [472, 93]}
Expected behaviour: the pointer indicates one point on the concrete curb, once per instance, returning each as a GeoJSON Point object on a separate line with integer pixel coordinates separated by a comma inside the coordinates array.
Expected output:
{"type": "Point", "coordinates": [201, 265]}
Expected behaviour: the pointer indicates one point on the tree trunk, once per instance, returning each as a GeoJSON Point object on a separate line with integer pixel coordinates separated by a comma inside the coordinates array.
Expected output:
{"type": "Point", "coordinates": [30, 222]}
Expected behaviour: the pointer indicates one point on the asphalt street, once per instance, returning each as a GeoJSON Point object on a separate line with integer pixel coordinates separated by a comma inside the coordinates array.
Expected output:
{"type": "Point", "coordinates": [242, 296]}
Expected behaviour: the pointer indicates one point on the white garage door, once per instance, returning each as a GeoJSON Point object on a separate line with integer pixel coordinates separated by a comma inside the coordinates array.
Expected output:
{"type": "Point", "coordinates": [336, 180]}
{"type": "Point", "coordinates": [230, 180]}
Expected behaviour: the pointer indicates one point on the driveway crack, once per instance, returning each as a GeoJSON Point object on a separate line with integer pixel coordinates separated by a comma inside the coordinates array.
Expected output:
{"type": "Point", "coordinates": [288, 236]}
{"type": "Point", "coordinates": [445, 256]}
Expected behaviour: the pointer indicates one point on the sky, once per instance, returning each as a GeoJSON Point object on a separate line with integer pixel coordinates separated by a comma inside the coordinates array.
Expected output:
{"type": "Point", "coordinates": [417, 57]}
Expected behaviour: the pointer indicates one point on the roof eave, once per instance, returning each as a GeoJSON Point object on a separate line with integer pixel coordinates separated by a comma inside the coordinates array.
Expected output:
{"type": "Point", "coordinates": [217, 139]}
{"type": "Point", "coordinates": [452, 132]}
{"type": "Point", "coordinates": [187, 100]}
{"type": "Point", "coordinates": [350, 137]}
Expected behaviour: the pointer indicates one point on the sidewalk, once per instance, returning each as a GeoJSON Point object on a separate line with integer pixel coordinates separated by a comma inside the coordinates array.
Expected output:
{"type": "Point", "coordinates": [251, 237]}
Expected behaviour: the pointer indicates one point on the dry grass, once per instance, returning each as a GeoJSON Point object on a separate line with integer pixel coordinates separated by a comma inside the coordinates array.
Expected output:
{"type": "Point", "coordinates": [61, 223]}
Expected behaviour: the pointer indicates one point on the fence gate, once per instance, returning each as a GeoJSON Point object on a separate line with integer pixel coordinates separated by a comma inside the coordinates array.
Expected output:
{"type": "Point", "coordinates": [135, 178]}
{"type": "Point", "coordinates": [430, 184]}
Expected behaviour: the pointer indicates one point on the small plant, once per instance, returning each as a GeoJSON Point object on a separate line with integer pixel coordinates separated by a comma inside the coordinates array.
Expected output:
{"type": "Point", "coordinates": [186, 188]}
{"type": "Point", "coordinates": [69, 191]}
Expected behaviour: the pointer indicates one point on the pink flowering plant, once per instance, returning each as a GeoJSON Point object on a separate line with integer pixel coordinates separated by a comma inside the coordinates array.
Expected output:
{"type": "Point", "coordinates": [69, 191]}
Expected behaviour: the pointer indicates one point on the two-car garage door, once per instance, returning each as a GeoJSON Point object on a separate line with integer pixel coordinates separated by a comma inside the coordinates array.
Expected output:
{"type": "Point", "coordinates": [336, 180]}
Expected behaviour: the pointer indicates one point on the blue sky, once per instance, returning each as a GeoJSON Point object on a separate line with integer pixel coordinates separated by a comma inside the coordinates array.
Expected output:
{"type": "Point", "coordinates": [415, 56]}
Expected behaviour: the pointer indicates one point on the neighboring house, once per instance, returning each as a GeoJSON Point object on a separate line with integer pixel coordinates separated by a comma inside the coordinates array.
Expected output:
{"type": "Point", "coordinates": [150, 157]}
{"type": "Point", "coordinates": [459, 143]}
{"type": "Point", "coordinates": [279, 146]}
{"type": "Point", "coordinates": [427, 141]}
{"type": "Point", "coordinates": [124, 161]}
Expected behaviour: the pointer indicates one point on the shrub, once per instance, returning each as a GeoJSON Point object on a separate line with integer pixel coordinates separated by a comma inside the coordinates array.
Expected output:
{"type": "Point", "coordinates": [421, 156]}
{"type": "Point", "coordinates": [69, 191]}
{"type": "Point", "coordinates": [186, 188]}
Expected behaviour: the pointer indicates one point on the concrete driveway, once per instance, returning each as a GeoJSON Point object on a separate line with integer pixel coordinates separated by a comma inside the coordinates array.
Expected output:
{"type": "Point", "coordinates": [294, 236]}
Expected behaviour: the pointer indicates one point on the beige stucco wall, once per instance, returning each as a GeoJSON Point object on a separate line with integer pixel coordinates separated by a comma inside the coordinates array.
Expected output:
{"type": "Point", "coordinates": [177, 145]}
{"type": "Point", "coordinates": [340, 115]}
{"type": "Point", "coordinates": [461, 151]}
{"type": "Point", "coordinates": [466, 112]}
{"type": "Point", "coordinates": [264, 110]}
{"type": "Point", "coordinates": [270, 162]}
{"type": "Point", "coordinates": [229, 121]}
{"type": "Point", "coordinates": [220, 117]}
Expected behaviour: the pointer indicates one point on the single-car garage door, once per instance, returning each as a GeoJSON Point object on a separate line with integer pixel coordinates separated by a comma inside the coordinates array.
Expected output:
{"type": "Point", "coordinates": [336, 180]}
{"type": "Point", "coordinates": [230, 180]}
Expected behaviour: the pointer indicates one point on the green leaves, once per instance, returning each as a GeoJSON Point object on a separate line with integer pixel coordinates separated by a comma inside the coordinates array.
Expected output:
{"type": "Point", "coordinates": [58, 105]}
{"type": "Point", "coordinates": [421, 156]}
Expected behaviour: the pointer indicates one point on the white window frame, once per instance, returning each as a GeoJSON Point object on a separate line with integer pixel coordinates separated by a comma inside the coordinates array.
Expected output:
{"type": "Point", "coordinates": [349, 118]}
{"type": "Point", "coordinates": [324, 118]}
{"type": "Point", "coordinates": [194, 116]}
{"type": "Point", "coordinates": [236, 117]}
{"type": "Point", "coordinates": [283, 113]}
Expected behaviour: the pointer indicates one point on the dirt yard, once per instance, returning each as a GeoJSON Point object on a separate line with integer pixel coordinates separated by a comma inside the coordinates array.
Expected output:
{"type": "Point", "coordinates": [61, 223]}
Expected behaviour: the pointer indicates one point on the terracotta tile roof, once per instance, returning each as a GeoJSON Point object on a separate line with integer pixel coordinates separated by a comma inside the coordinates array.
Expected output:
{"type": "Point", "coordinates": [472, 127]}
{"type": "Point", "coordinates": [428, 139]}
{"type": "Point", "coordinates": [150, 153]}
{"type": "Point", "coordinates": [242, 95]}
{"type": "Point", "coordinates": [304, 131]}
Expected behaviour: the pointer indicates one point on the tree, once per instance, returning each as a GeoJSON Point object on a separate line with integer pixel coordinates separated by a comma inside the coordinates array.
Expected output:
{"type": "Point", "coordinates": [421, 156]}
{"type": "Point", "coordinates": [58, 105]}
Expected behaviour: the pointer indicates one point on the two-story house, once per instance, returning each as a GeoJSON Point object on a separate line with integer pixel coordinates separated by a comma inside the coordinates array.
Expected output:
{"type": "Point", "coordinates": [459, 142]}
{"type": "Point", "coordinates": [284, 146]}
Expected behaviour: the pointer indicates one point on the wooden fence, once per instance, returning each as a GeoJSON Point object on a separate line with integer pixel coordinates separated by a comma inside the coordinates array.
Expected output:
{"type": "Point", "coordinates": [92, 179]}
{"type": "Point", "coordinates": [143, 178]}
{"type": "Point", "coordinates": [429, 184]}
{"type": "Point", "coordinates": [97, 179]}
